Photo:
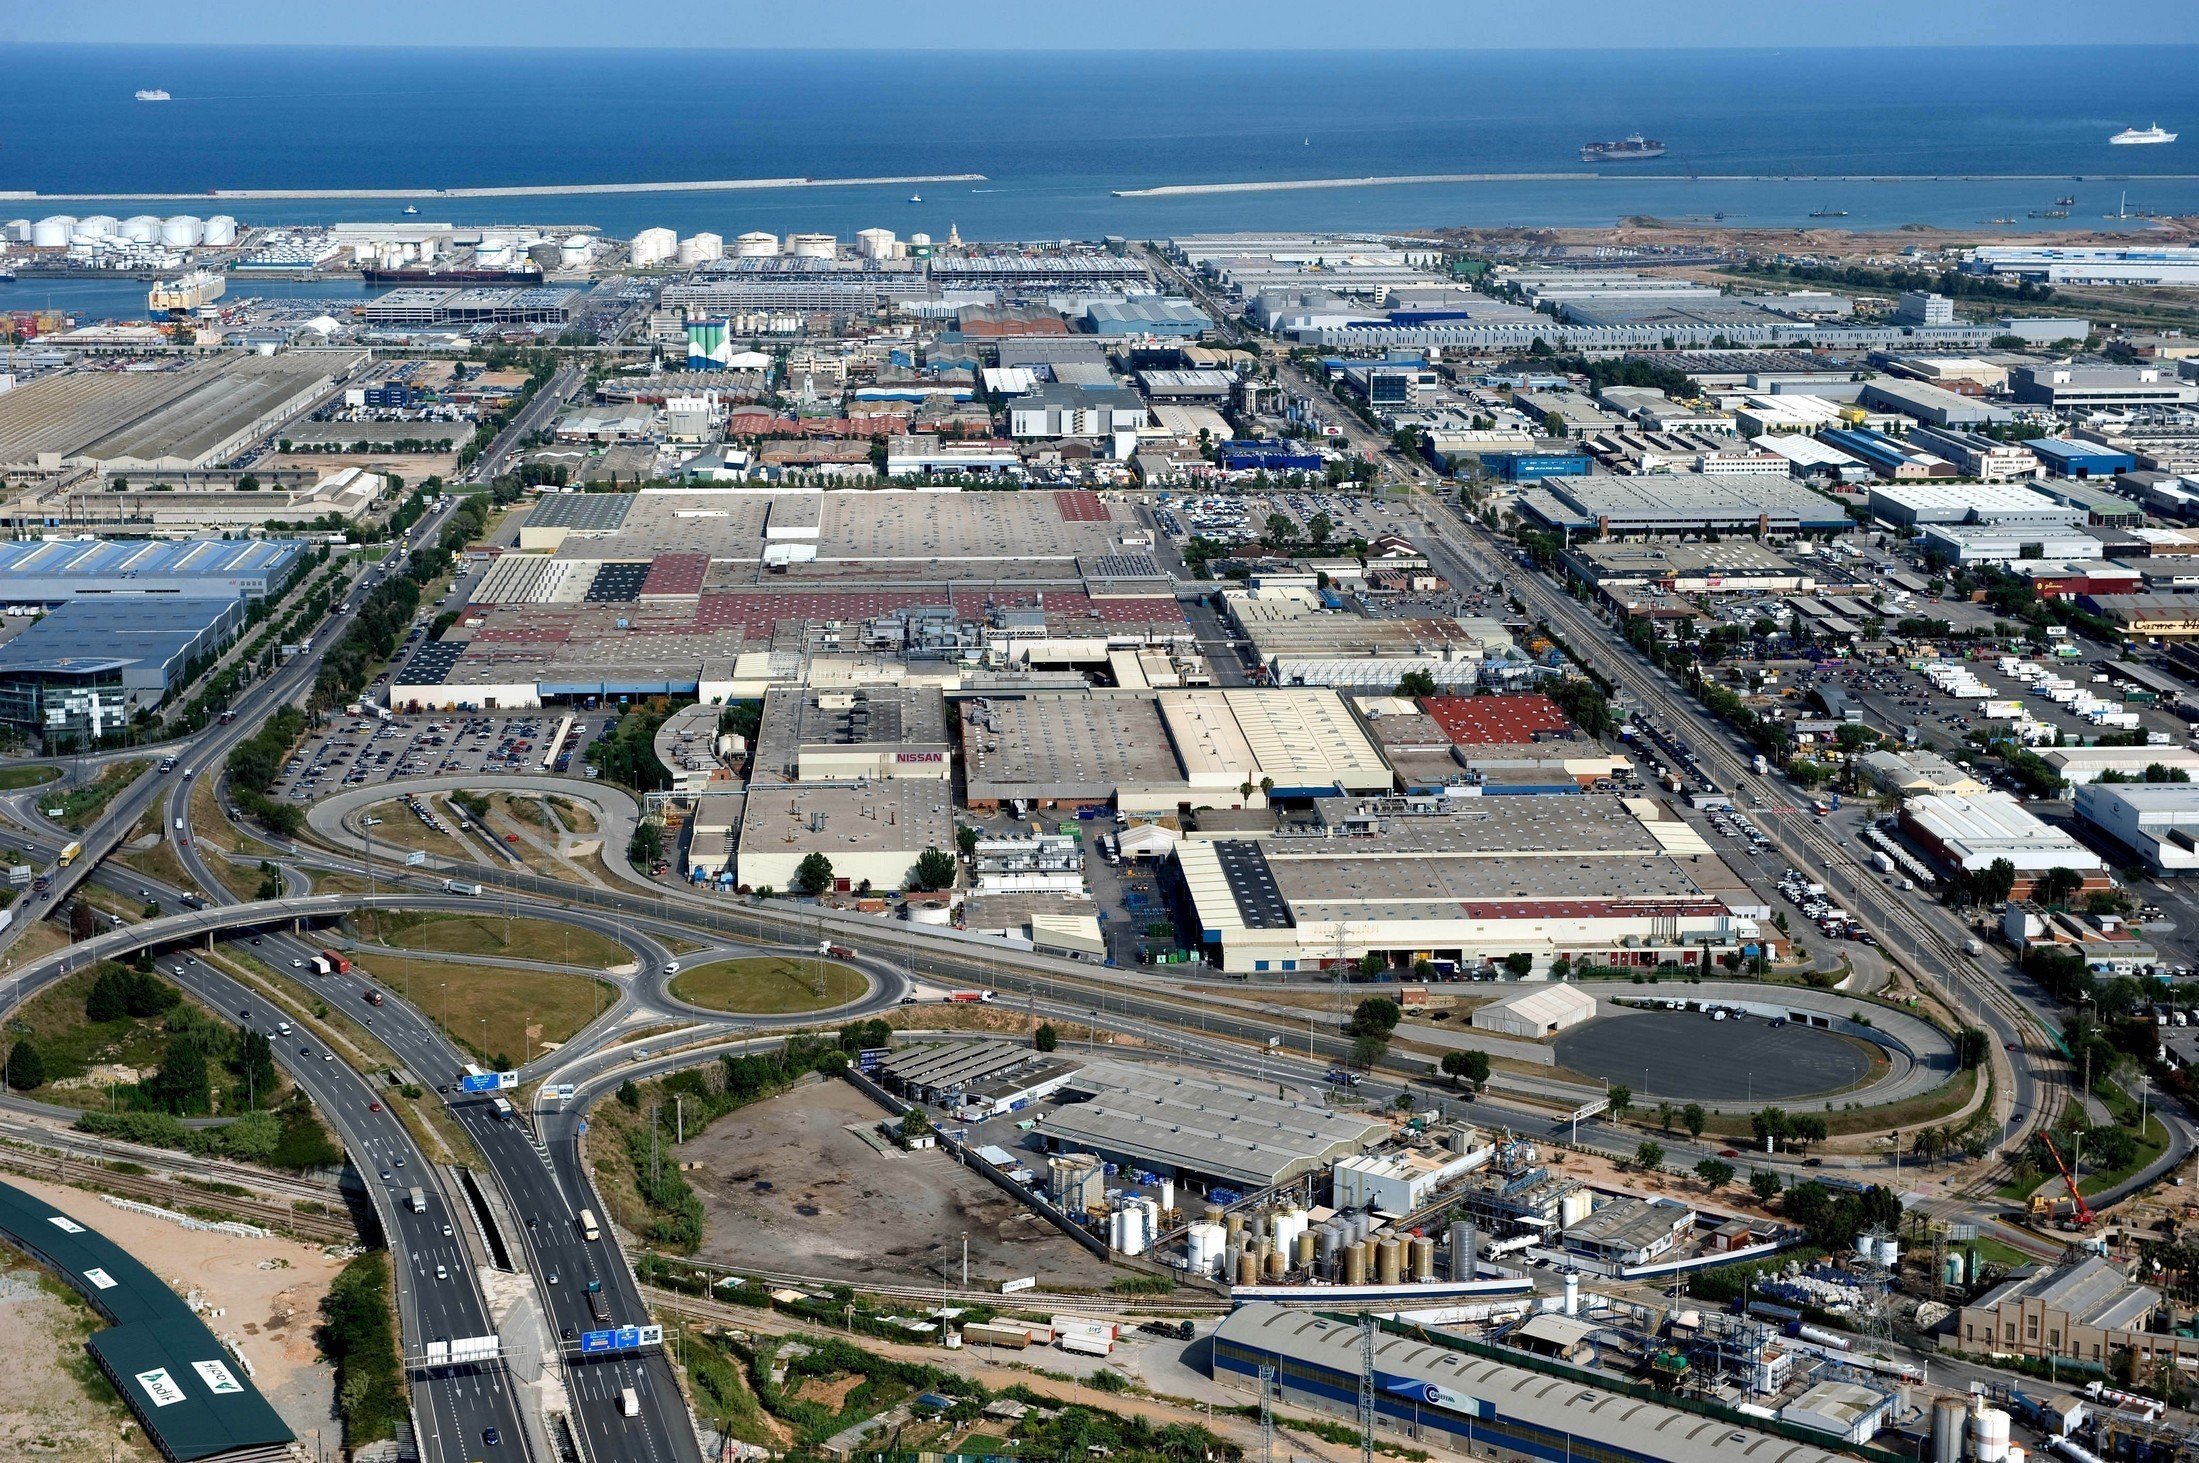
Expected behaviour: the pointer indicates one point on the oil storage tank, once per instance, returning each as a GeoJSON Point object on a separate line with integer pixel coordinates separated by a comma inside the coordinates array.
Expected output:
{"type": "Point", "coordinates": [53, 231]}
{"type": "Point", "coordinates": [183, 231]}
{"type": "Point", "coordinates": [221, 230]}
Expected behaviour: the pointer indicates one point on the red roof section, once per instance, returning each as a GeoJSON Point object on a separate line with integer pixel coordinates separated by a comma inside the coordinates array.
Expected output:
{"type": "Point", "coordinates": [1484, 720]}
{"type": "Point", "coordinates": [1081, 505]}
{"type": "Point", "coordinates": [675, 574]}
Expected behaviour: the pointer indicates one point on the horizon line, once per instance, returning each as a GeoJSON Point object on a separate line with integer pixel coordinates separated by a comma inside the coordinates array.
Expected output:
{"type": "Point", "coordinates": [1188, 49]}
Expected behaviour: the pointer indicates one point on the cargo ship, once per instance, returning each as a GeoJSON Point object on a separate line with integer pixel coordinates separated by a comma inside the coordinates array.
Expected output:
{"type": "Point", "coordinates": [154, 94]}
{"type": "Point", "coordinates": [518, 275]}
{"type": "Point", "coordinates": [2141, 137]}
{"type": "Point", "coordinates": [182, 295]}
{"type": "Point", "coordinates": [1631, 148]}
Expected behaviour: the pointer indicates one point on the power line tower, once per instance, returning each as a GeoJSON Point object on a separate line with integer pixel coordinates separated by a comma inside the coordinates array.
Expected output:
{"type": "Point", "coordinates": [1267, 1412]}
{"type": "Point", "coordinates": [1366, 1387]}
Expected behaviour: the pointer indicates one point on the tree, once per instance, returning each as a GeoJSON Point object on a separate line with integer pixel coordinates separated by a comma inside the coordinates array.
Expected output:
{"type": "Point", "coordinates": [1415, 683]}
{"type": "Point", "coordinates": [1649, 1157]}
{"type": "Point", "coordinates": [1765, 1185]}
{"type": "Point", "coordinates": [83, 921]}
{"type": "Point", "coordinates": [1995, 882]}
{"type": "Point", "coordinates": [1279, 531]}
{"type": "Point", "coordinates": [1665, 1112]}
{"type": "Point", "coordinates": [813, 875]}
{"type": "Point", "coordinates": [2058, 885]}
{"type": "Point", "coordinates": [1369, 1049]}
{"type": "Point", "coordinates": [1971, 1046]}
{"type": "Point", "coordinates": [935, 869]}
{"type": "Point", "coordinates": [629, 1096]}
{"type": "Point", "coordinates": [26, 1065]}
{"type": "Point", "coordinates": [1046, 1038]}
{"type": "Point", "coordinates": [1553, 423]}
{"type": "Point", "coordinates": [1692, 1118]}
{"type": "Point", "coordinates": [647, 844]}
{"type": "Point", "coordinates": [965, 839]}
{"type": "Point", "coordinates": [914, 1125]}
{"type": "Point", "coordinates": [181, 1085]}
{"type": "Point", "coordinates": [1376, 1014]}
{"type": "Point", "coordinates": [1520, 964]}
{"type": "Point", "coordinates": [1319, 527]}
{"type": "Point", "coordinates": [1621, 1099]}
{"type": "Point", "coordinates": [1468, 1067]}
{"type": "Point", "coordinates": [109, 997]}
{"type": "Point", "coordinates": [1715, 1173]}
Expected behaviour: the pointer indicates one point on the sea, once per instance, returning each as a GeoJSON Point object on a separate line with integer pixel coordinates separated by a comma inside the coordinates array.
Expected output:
{"type": "Point", "coordinates": [1950, 137]}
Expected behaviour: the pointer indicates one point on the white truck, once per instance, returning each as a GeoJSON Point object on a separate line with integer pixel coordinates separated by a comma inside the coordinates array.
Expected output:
{"type": "Point", "coordinates": [629, 1403]}
{"type": "Point", "coordinates": [1973, 946]}
{"type": "Point", "coordinates": [419, 1200]}
{"type": "Point", "coordinates": [1884, 861]}
{"type": "Point", "coordinates": [453, 886]}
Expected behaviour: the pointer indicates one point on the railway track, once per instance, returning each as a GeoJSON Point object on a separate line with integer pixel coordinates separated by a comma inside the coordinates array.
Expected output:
{"type": "Point", "coordinates": [1177, 1303]}
{"type": "Point", "coordinates": [332, 1227]}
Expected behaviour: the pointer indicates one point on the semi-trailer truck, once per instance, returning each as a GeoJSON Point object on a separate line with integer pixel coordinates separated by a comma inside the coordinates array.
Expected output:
{"type": "Point", "coordinates": [340, 964]}
{"type": "Point", "coordinates": [966, 997]}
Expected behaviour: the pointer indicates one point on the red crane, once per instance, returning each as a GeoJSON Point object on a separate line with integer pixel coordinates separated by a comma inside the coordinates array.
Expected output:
{"type": "Point", "coordinates": [2082, 1213]}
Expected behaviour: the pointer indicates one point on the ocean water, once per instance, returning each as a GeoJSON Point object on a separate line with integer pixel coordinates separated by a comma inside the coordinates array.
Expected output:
{"type": "Point", "coordinates": [1055, 133]}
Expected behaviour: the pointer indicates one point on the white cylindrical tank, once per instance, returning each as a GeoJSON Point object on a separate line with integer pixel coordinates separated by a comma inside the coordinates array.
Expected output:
{"type": "Point", "coordinates": [1573, 1208]}
{"type": "Point", "coordinates": [701, 248]}
{"type": "Point", "coordinates": [876, 243]}
{"type": "Point", "coordinates": [1887, 1252]}
{"type": "Point", "coordinates": [183, 230]}
{"type": "Point", "coordinates": [1865, 1250]}
{"type": "Point", "coordinates": [1572, 1292]}
{"type": "Point", "coordinates": [143, 228]}
{"type": "Point", "coordinates": [1203, 1247]}
{"type": "Point", "coordinates": [1988, 1433]}
{"type": "Point", "coordinates": [575, 251]}
{"type": "Point", "coordinates": [652, 246]}
{"type": "Point", "coordinates": [53, 231]}
{"type": "Point", "coordinates": [221, 230]}
{"type": "Point", "coordinates": [812, 246]}
{"type": "Point", "coordinates": [99, 226]}
{"type": "Point", "coordinates": [428, 248]}
{"type": "Point", "coordinates": [756, 245]}
{"type": "Point", "coordinates": [17, 230]}
{"type": "Point", "coordinates": [920, 241]}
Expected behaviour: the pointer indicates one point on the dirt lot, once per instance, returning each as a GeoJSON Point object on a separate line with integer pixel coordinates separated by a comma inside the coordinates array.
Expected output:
{"type": "Point", "coordinates": [787, 1188]}
{"type": "Point", "coordinates": [268, 1290]}
{"type": "Point", "coordinates": [46, 1411]}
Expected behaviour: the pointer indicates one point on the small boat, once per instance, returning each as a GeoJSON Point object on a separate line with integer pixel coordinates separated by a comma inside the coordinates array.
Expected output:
{"type": "Point", "coordinates": [2065, 200]}
{"type": "Point", "coordinates": [916, 198]}
{"type": "Point", "coordinates": [2049, 213]}
{"type": "Point", "coordinates": [1996, 220]}
{"type": "Point", "coordinates": [412, 208]}
{"type": "Point", "coordinates": [1829, 213]}
{"type": "Point", "coordinates": [153, 94]}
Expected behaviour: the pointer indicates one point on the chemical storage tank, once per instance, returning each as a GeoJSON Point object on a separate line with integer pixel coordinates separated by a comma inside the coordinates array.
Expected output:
{"type": "Point", "coordinates": [221, 230]}
{"type": "Point", "coordinates": [1950, 1419]}
{"type": "Point", "coordinates": [143, 228]}
{"type": "Point", "coordinates": [1574, 1207]}
{"type": "Point", "coordinates": [1388, 1260]}
{"type": "Point", "coordinates": [1355, 1265]}
{"type": "Point", "coordinates": [1952, 1271]}
{"type": "Point", "coordinates": [1463, 1240]}
{"type": "Point", "coordinates": [652, 246]}
{"type": "Point", "coordinates": [1887, 1251]}
{"type": "Point", "coordinates": [1248, 1268]}
{"type": "Point", "coordinates": [1235, 1224]}
{"type": "Point", "coordinates": [1865, 1250]}
{"type": "Point", "coordinates": [99, 226]}
{"type": "Point", "coordinates": [1303, 1249]}
{"type": "Point", "coordinates": [1203, 1245]}
{"type": "Point", "coordinates": [756, 245]}
{"type": "Point", "coordinates": [812, 246]}
{"type": "Point", "coordinates": [545, 255]}
{"type": "Point", "coordinates": [1277, 1267]}
{"type": "Point", "coordinates": [53, 231]}
{"type": "Point", "coordinates": [183, 230]}
{"type": "Point", "coordinates": [1988, 1433]}
{"type": "Point", "coordinates": [1423, 1258]}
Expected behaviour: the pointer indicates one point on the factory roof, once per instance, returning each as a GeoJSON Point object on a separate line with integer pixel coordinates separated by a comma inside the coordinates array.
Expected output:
{"type": "Point", "coordinates": [183, 417]}
{"type": "Point", "coordinates": [1620, 1425]}
{"type": "Point", "coordinates": [86, 636]}
{"type": "Point", "coordinates": [1679, 500]}
{"type": "Point", "coordinates": [847, 818]}
{"type": "Point", "coordinates": [1984, 501]}
{"type": "Point", "coordinates": [1991, 825]}
{"type": "Point", "coordinates": [1506, 719]}
{"type": "Point", "coordinates": [2092, 1291]}
{"type": "Point", "coordinates": [213, 561]}
{"type": "Point", "coordinates": [1659, 560]}
{"type": "Point", "coordinates": [1629, 1223]}
{"type": "Point", "coordinates": [581, 512]}
{"type": "Point", "coordinates": [1202, 1126]}
{"type": "Point", "coordinates": [1072, 745]}
{"type": "Point", "coordinates": [797, 718]}
{"type": "Point", "coordinates": [1301, 739]}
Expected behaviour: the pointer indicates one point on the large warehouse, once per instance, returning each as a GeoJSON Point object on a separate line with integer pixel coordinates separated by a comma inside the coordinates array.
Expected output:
{"type": "Point", "coordinates": [873, 833]}
{"type": "Point", "coordinates": [811, 735]}
{"type": "Point", "coordinates": [1682, 502]}
{"type": "Point", "coordinates": [2004, 505]}
{"type": "Point", "coordinates": [42, 573]}
{"type": "Point", "coordinates": [195, 415]}
{"type": "Point", "coordinates": [1458, 880]}
{"type": "Point", "coordinates": [1462, 1401]}
{"type": "Point", "coordinates": [1971, 833]}
{"type": "Point", "coordinates": [2158, 821]}
{"type": "Point", "coordinates": [84, 669]}
{"type": "Point", "coordinates": [1543, 1011]}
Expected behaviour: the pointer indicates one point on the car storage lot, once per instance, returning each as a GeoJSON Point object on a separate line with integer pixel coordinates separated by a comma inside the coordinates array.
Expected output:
{"type": "Point", "coordinates": [362, 751]}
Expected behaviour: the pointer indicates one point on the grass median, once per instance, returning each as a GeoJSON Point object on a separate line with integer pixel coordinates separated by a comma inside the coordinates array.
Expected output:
{"type": "Point", "coordinates": [447, 932]}
{"type": "Point", "coordinates": [770, 985]}
{"type": "Point", "coordinates": [490, 1011]}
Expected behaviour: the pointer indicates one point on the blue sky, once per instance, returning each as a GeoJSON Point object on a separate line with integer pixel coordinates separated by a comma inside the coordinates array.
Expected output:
{"type": "Point", "coordinates": [1112, 24]}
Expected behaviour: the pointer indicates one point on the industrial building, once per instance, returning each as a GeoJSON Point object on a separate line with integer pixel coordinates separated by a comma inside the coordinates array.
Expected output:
{"type": "Point", "coordinates": [1677, 503]}
{"type": "Point", "coordinates": [2081, 1311]}
{"type": "Point", "coordinates": [88, 666]}
{"type": "Point", "coordinates": [1911, 505]}
{"type": "Point", "coordinates": [1401, 1183]}
{"type": "Point", "coordinates": [873, 833]}
{"type": "Point", "coordinates": [1457, 880]}
{"type": "Point", "coordinates": [2157, 821]}
{"type": "Point", "coordinates": [1968, 833]}
{"type": "Point", "coordinates": [1729, 566]}
{"type": "Point", "coordinates": [2088, 264]}
{"type": "Point", "coordinates": [1544, 1011]}
{"type": "Point", "coordinates": [1935, 406]}
{"type": "Point", "coordinates": [2066, 387]}
{"type": "Point", "coordinates": [1467, 1397]}
{"type": "Point", "coordinates": [2081, 765]}
{"type": "Point", "coordinates": [197, 414]}
{"type": "Point", "coordinates": [1976, 455]}
{"type": "Point", "coordinates": [2004, 544]}
{"type": "Point", "coordinates": [41, 573]}
{"type": "Point", "coordinates": [827, 735]}
{"type": "Point", "coordinates": [1055, 410]}
{"type": "Point", "coordinates": [1175, 1123]}
{"type": "Point", "coordinates": [2080, 460]}
{"type": "Point", "coordinates": [973, 1075]}
{"type": "Point", "coordinates": [1628, 1231]}
{"type": "Point", "coordinates": [192, 1395]}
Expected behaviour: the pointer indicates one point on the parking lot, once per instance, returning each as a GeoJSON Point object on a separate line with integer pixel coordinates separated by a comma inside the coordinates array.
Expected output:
{"type": "Point", "coordinates": [1236, 517]}
{"type": "Point", "coordinates": [362, 751]}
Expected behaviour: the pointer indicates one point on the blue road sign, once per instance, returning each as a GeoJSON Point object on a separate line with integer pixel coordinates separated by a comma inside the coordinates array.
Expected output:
{"type": "Point", "coordinates": [486, 1082]}
{"type": "Point", "coordinates": [591, 1341]}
